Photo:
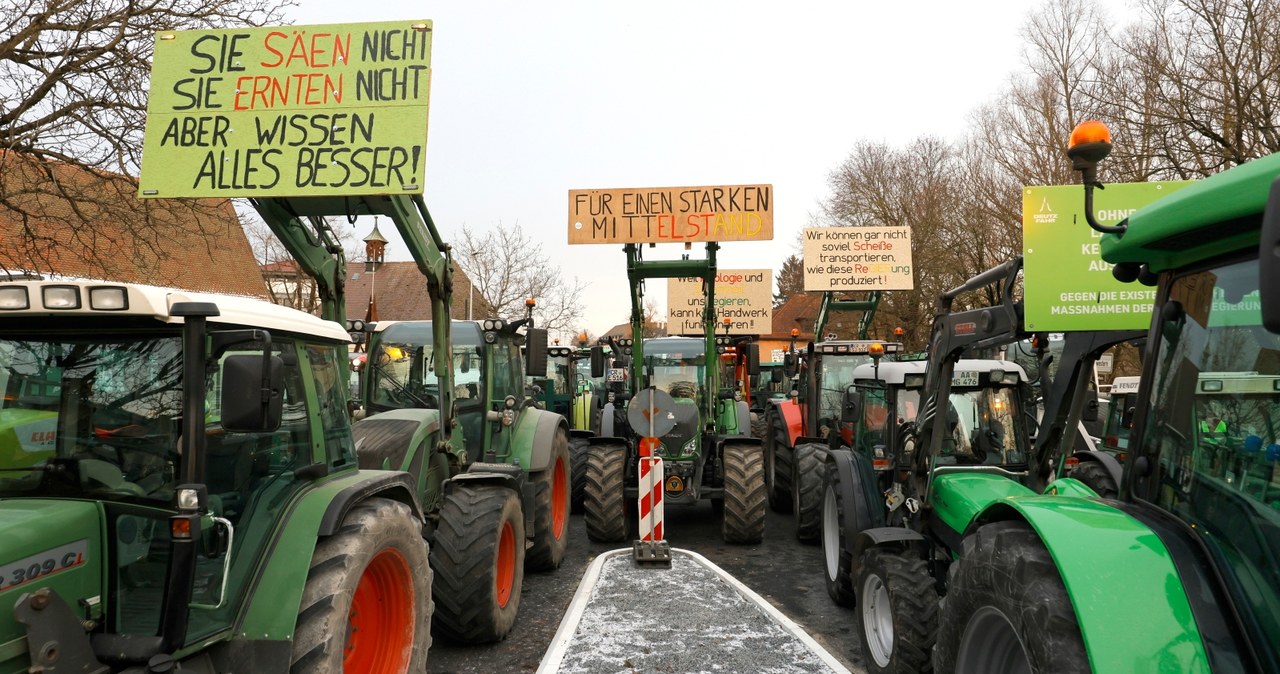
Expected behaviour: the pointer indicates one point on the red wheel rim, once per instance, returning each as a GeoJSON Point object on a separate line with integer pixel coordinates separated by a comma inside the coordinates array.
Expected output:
{"type": "Point", "coordinates": [559, 496]}
{"type": "Point", "coordinates": [380, 623]}
{"type": "Point", "coordinates": [505, 579]}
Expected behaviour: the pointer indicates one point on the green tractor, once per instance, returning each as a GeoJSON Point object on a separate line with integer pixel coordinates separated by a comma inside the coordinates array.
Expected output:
{"type": "Point", "coordinates": [198, 503]}
{"type": "Point", "coordinates": [497, 503]}
{"type": "Point", "coordinates": [571, 391]}
{"type": "Point", "coordinates": [707, 451]}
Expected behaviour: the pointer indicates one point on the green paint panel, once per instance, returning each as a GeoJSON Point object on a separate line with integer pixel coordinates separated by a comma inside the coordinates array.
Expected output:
{"type": "Point", "coordinates": [1133, 612]}
{"type": "Point", "coordinates": [1069, 486]}
{"type": "Point", "coordinates": [958, 497]}
{"type": "Point", "coordinates": [272, 611]}
{"type": "Point", "coordinates": [288, 111]}
{"type": "Point", "coordinates": [1068, 285]}
{"type": "Point", "coordinates": [1221, 198]}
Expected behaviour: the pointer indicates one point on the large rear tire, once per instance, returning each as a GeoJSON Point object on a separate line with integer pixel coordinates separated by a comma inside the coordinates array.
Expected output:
{"type": "Point", "coordinates": [366, 606]}
{"type": "Point", "coordinates": [605, 500]}
{"type": "Point", "coordinates": [1095, 476]}
{"type": "Point", "coordinates": [744, 494]}
{"type": "Point", "coordinates": [551, 488]}
{"type": "Point", "coordinates": [1006, 608]}
{"type": "Point", "coordinates": [806, 490]}
{"type": "Point", "coordinates": [897, 615]}
{"type": "Point", "coordinates": [578, 470]}
{"type": "Point", "coordinates": [478, 559]}
{"type": "Point", "coordinates": [777, 457]}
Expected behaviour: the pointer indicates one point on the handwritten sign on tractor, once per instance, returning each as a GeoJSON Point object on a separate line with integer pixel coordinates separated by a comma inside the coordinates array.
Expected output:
{"type": "Point", "coordinates": [857, 258]}
{"type": "Point", "coordinates": [288, 111]}
{"type": "Point", "coordinates": [744, 296]}
{"type": "Point", "coordinates": [671, 214]}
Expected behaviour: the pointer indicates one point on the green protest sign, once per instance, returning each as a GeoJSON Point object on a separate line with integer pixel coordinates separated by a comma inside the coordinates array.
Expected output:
{"type": "Point", "coordinates": [1068, 285]}
{"type": "Point", "coordinates": [288, 111]}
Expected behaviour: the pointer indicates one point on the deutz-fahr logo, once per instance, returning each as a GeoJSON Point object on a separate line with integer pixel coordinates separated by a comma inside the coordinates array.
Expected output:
{"type": "Point", "coordinates": [965, 328]}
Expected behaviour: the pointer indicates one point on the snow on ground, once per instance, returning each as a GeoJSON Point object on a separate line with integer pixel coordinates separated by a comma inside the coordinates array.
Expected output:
{"type": "Point", "coordinates": [689, 618]}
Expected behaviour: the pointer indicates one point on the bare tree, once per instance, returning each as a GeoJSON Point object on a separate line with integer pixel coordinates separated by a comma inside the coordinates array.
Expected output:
{"type": "Point", "coordinates": [73, 90]}
{"type": "Point", "coordinates": [290, 287]}
{"type": "Point", "coordinates": [790, 280]}
{"type": "Point", "coordinates": [508, 268]}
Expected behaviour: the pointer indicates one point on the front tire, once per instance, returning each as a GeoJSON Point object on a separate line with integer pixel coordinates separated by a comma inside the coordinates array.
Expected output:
{"type": "Point", "coordinates": [759, 425]}
{"type": "Point", "coordinates": [1006, 607]}
{"type": "Point", "coordinates": [744, 494]}
{"type": "Point", "coordinates": [366, 606]}
{"type": "Point", "coordinates": [604, 495]}
{"type": "Point", "coordinates": [777, 453]}
{"type": "Point", "coordinates": [806, 490]}
{"type": "Point", "coordinates": [478, 559]}
{"type": "Point", "coordinates": [836, 556]}
{"type": "Point", "coordinates": [1095, 476]}
{"type": "Point", "coordinates": [897, 615]}
{"type": "Point", "coordinates": [551, 509]}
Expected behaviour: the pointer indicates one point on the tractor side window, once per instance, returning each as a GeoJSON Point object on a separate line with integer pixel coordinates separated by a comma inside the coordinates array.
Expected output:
{"type": "Point", "coordinates": [331, 403]}
{"type": "Point", "coordinates": [508, 377]}
{"type": "Point", "coordinates": [873, 426]}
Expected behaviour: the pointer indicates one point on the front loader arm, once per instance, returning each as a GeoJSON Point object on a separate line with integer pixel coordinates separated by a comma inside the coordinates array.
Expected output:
{"type": "Point", "coordinates": [300, 223]}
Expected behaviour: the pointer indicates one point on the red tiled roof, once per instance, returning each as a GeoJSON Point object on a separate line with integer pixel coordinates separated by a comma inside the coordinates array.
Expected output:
{"type": "Point", "coordinates": [62, 219]}
{"type": "Point", "coordinates": [799, 311]}
{"type": "Point", "coordinates": [401, 291]}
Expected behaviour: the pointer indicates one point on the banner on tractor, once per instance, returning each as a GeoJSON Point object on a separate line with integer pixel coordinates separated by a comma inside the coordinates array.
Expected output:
{"type": "Point", "coordinates": [288, 111]}
{"type": "Point", "coordinates": [744, 296]}
{"type": "Point", "coordinates": [857, 258]}
{"type": "Point", "coordinates": [671, 214]}
{"type": "Point", "coordinates": [1067, 284]}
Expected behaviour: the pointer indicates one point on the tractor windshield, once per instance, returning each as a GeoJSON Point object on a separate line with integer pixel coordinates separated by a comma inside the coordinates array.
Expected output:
{"type": "Point", "coordinates": [404, 365]}
{"type": "Point", "coordinates": [835, 378]}
{"type": "Point", "coordinates": [1212, 431]}
{"type": "Point", "coordinates": [100, 414]}
{"type": "Point", "coordinates": [676, 366]}
{"type": "Point", "coordinates": [983, 427]}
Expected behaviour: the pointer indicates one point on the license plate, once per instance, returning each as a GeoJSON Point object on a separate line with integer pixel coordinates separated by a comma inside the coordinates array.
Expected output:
{"type": "Point", "coordinates": [965, 378]}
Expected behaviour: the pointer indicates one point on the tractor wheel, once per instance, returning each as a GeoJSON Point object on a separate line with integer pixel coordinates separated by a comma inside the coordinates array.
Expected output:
{"type": "Point", "coordinates": [806, 490]}
{"type": "Point", "coordinates": [1006, 608]}
{"type": "Point", "coordinates": [1095, 476]}
{"type": "Point", "coordinates": [777, 457]}
{"type": "Point", "coordinates": [836, 551]}
{"type": "Point", "coordinates": [604, 499]}
{"type": "Point", "coordinates": [759, 425]}
{"type": "Point", "coordinates": [897, 613]}
{"type": "Point", "coordinates": [478, 559]}
{"type": "Point", "coordinates": [578, 470]}
{"type": "Point", "coordinates": [744, 494]}
{"type": "Point", "coordinates": [551, 488]}
{"type": "Point", "coordinates": [366, 606]}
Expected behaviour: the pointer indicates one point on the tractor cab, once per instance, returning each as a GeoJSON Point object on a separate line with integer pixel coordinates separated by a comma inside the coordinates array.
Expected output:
{"type": "Point", "coordinates": [1121, 405]}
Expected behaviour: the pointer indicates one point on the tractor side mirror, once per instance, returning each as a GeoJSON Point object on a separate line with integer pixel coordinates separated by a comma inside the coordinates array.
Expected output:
{"type": "Point", "coordinates": [1090, 412]}
{"type": "Point", "coordinates": [597, 362]}
{"type": "Point", "coordinates": [849, 410]}
{"type": "Point", "coordinates": [776, 375]}
{"type": "Point", "coordinates": [753, 359]}
{"type": "Point", "coordinates": [242, 409]}
{"type": "Point", "coordinates": [789, 365]}
{"type": "Point", "coordinates": [535, 340]}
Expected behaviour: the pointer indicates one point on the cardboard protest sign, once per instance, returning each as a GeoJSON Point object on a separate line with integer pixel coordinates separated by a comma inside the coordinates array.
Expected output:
{"type": "Point", "coordinates": [744, 296]}
{"type": "Point", "coordinates": [288, 111]}
{"type": "Point", "coordinates": [671, 214]}
{"type": "Point", "coordinates": [857, 258]}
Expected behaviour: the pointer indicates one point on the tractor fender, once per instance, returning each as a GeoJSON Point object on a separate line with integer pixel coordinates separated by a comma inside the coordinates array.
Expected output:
{"type": "Point", "coordinates": [1109, 462]}
{"type": "Point", "coordinates": [576, 433]}
{"type": "Point", "coordinates": [1123, 578]}
{"type": "Point", "coordinates": [896, 537]}
{"type": "Point", "coordinates": [396, 439]}
{"type": "Point", "coordinates": [606, 421]}
{"type": "Point", "coordinates": [789, 410]}
{"type": "Point", "coordinates": [275, 595]}
{"type": "Point", "coordinates": [859, 514]}
{"type": "Point", "coordinates": [535, 447]}
{"type": "Point", "coordinates": [744, 418]}
{"type": "Point", "coordinates": [396, 486]}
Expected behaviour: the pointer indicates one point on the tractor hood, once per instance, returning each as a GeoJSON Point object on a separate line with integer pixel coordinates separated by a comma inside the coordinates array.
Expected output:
{"type": "Point", "coordinates": [47, 543]}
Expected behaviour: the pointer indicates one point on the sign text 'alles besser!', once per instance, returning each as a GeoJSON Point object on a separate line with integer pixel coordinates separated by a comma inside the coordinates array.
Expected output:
{"type": "Point", "coordinates": [288, 111]}
{"type": "Point", "coordinates": [671, 214]}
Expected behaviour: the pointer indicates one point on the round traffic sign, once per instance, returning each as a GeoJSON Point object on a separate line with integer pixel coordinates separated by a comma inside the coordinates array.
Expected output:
{"type": "Point", "coordinates": [651, 413]}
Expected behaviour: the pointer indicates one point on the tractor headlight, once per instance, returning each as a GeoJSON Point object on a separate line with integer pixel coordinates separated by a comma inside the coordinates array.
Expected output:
{"type": "Point", "coordinates": [108, 298]}
{"type": "Point", "coordinates": [690, 447]}
{"type": "Point", "coordinates": [14, 298]}
{"type": "Point", "coordinates": [61, 297]}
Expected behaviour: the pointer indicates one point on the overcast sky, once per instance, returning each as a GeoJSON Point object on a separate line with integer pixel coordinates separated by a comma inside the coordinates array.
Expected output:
{"type": "Point", "coordinates": [532, 99]}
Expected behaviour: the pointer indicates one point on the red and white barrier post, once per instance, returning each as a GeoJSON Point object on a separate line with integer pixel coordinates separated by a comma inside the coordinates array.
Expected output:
{"type": "Point", "coordinates": [652, 547]}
